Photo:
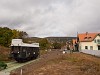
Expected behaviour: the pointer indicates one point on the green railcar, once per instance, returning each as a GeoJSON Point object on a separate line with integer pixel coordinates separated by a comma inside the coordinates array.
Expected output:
{"type": "Point", "coordinates": [22, 52]}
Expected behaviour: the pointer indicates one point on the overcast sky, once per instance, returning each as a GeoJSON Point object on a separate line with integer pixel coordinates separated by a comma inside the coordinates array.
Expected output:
{"type": "Point", "coordinates": [51, 17]}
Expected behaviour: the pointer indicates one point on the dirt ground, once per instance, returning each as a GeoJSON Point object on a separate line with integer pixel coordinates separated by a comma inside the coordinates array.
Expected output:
{"type": "Point", "coordinates": [56, 63]}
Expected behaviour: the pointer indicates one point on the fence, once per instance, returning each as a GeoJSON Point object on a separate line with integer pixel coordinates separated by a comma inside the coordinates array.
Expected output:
{"type": "Point", "coordinates": [92, 52]}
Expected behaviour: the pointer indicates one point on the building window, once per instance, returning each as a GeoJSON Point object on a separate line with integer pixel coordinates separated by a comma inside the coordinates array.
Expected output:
{"type": "Point", "coordinates": [85, 38]}
{"type": "Point", "coordinates": [91, 47]}
{"type": "Point", "coordinates": [89, 37]}
{"type": "Point", "coordinates": [86, 47]}
{"type": "Point", "coordinates": [98, 40]}
{"type": "Point", "coordinates": [94, 41]}
{"type": "Point", "coordinates": [98, 47]}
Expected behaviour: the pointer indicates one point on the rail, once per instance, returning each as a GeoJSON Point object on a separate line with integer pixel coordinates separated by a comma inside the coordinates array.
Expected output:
{"type": "Point", "coordinates": [15, 65]}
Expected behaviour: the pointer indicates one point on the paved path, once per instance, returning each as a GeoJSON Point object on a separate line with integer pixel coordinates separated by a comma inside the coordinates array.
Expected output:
{"type": "Point", "coordinates": [4, 73]}
{"type": "Point", "coordinates": [15, 65]}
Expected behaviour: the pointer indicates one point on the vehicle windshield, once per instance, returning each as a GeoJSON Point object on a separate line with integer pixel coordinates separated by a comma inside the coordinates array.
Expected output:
{"type": "Point", "coordinates": [15, 48]}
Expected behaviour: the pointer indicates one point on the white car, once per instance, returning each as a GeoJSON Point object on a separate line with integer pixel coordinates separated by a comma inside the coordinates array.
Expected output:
{"type": "Point", "coordinates": [64, 51]}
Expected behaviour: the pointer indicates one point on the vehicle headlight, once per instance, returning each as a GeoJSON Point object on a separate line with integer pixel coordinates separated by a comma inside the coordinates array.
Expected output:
{"type": "Point", "coordinates": [34, 53]}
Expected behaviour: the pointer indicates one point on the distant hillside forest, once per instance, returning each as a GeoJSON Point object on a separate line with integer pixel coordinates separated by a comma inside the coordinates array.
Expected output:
{"type": "Point", "coordinates": [7, 34]}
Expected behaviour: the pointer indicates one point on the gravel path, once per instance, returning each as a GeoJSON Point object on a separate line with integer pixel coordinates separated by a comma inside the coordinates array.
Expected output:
{"type": "Point", "coordinates": [4, 73]}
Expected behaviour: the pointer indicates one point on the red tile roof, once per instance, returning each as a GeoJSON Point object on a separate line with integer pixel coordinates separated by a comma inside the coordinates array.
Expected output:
{"type": "Point", "coordinates": [84, 37]}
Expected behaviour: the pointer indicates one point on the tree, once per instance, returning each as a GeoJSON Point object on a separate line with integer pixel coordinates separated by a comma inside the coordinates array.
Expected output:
{"type": "Point", "coordinates": [5, 36]}
{"type": "Point", "coordinates": [19, 34]}
{"type": "Point", "coordinates": [22, 34]}
{"type": "Point", "coordinates": [15, 34]}
{"type": "Point", "coordinates": [44, 44]}
{"type": "Point", "coordinates": [56, 45]}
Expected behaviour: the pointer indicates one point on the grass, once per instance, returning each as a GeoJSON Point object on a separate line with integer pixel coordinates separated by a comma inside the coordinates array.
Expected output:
{"type": "Point", "coordinates": [43, 52]}
{"type": "Point", "coordinates": [83, 64]}
{"type": "Point", "coordinates": [4, 52]}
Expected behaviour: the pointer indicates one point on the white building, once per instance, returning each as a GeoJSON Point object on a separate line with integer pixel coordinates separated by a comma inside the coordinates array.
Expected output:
{"type": "Point", "coordinates": [89, 41]}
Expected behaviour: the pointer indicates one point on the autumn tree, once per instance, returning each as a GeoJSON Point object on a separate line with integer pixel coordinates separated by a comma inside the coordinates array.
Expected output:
{"type": "Point", "coordinates": [19, 34]}
{"type": "Point", "coordinates": [22, 34]}
{"type": "Point", "coordinates": [5, 36]}
{"type": "Point", "coordinates": [15, 34]}
{"type": "Point", "coordinates": [44, 44]}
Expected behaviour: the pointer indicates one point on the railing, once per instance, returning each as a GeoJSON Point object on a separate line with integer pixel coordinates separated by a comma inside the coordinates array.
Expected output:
{"type": "Point", "coordinates": [92, 52]}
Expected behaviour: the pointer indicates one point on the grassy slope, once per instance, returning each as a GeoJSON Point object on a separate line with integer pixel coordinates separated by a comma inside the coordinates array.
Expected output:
{"type": "Point", "coordinates": [4, 53]}
{"type": "Point", "coordinates": [71, 64]}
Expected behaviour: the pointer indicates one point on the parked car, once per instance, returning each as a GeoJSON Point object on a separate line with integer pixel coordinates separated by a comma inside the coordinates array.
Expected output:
{"type": "Point", "coordinates": [64, 51]}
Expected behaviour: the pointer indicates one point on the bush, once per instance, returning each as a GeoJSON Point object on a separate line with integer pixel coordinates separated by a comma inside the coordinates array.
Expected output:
{"type": "Point", "coordinates": [56, 45]}
{"type": "Point", "coordinates": [2, 65]}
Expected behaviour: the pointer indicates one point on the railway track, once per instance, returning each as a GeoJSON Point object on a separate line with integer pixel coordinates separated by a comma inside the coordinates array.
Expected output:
{"type": "Point", "coordinates": [15, 65]}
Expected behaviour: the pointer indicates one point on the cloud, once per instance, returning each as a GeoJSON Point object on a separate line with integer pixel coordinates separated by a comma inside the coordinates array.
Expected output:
{"type": "Point", "coordinates": [51, 17]}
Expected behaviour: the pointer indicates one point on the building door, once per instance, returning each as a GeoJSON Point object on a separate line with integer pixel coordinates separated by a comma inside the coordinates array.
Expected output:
{"type": "Point", "coordinates": [98, 47]}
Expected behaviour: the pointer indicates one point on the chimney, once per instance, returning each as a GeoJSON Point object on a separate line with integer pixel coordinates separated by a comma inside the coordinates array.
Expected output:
{"type": "Point", "coordinates": [86, 33]}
